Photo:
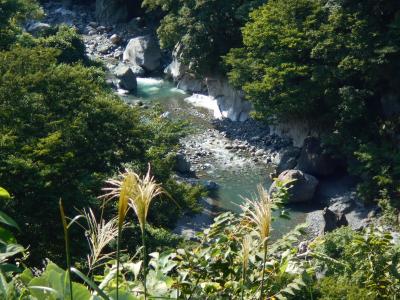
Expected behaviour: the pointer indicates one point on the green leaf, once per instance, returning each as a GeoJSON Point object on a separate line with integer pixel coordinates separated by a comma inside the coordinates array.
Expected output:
{"type": "Point", "coordinates": [122, 295]}
{"type": "Point", "coordinates": [6, 236]}
{"type": "Point", "coordinates": [90, 283]}
{"type": "Point", "coordinates": [4, 195]}
{"type": "Point", "coordinates": [4, 219]}
{"type": "Point", "coordinates": [9, 250]}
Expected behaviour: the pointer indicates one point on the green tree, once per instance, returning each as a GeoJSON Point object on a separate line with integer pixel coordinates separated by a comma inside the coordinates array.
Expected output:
{"type": "Point", "coordinates": [205, 29]}
{"type": "Point", "coordinates": [331, 63]}
{"type": "Point", "coordinates": [13, 12]}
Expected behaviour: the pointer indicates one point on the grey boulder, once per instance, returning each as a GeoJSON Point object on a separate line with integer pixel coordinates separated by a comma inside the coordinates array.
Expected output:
{"type": "Point", "coordinates": [315, 160]}
{"type": "Point", "coordinates": [143, 51]}
{"type": "Point", "coordinates": [127, 79]}
{"type": "Point", "coordinates": [302, 186]}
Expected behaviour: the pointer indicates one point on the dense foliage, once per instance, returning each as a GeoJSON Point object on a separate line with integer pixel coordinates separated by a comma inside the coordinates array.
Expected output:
{"type": "Point", "coordinates": [63, 132]}
{"type": "Point", "coordinates": [226, 262]}
{"type": "Point", "coordinates": [334, 64]}
{"type": "Point", "coordinates": [205, 30]}
{"type": "Point", "coordinates": [12, 13]}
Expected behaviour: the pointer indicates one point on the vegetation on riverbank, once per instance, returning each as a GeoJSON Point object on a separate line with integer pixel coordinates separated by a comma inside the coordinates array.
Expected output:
{"type": "Point", "coordinates": [332, 64]}
{"type": "Point", "coordinates": [233, 259]}
{"type": "Point", "coordinates": [63, 133]}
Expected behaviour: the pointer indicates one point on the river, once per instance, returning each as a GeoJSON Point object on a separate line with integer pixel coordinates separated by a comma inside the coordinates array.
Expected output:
{"type": "Point", "coordinates": [236, 176]}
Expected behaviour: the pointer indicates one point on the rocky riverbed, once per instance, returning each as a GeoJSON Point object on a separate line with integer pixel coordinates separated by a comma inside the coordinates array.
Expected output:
{"type": "Point", "coordinates": [246, 150]}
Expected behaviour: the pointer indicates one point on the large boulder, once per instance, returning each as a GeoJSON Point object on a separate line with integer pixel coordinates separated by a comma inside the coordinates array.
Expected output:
{"type": "Point", "coordinates": [286, 159]}
{"type": "Point", "coordinates": [127, 79]}
{"type": "Point", "coordinates": [302, 186]}
{"type": "Point", "coordinates": [112, 11]}
{"type": "Point", "coordinates": [315, 160]}
{"type": "Point", "coordinates": [143, 51]}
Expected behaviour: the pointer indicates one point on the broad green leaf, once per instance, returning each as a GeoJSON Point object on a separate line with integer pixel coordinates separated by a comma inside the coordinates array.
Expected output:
{"type": "Point", "coordinates": [4, 195]}
{"type": "Point", "coordinates": [4, 219]}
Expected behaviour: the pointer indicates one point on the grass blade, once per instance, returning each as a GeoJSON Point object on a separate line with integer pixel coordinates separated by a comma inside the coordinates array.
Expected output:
{"type": "Point", "coordinates": [90, 283]}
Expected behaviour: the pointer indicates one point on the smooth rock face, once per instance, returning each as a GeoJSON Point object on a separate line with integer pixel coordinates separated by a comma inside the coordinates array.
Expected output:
{"type": "Point", "coordinates": [176, 70]}
{"type": "Point", "coordinates": [314, 160]}
{"type": "Point", "coordinates": [230, 101]}
{"type": "Point", "coordinates": [127, 80]}
{"type": "Point", "coordinates": [111, 11]}
{"type": "Point", "coordinates": [143, 51]}
{"type": "Point", "coordinates": [303, 185]}
{"type": "Point", "coordinates": [297, 131]}
{"type": "Point", "coordinates": [190, 83]}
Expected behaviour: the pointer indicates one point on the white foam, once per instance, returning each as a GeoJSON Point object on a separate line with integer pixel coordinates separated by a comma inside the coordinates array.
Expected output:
{"type": "Point", "coordinates": [149, 81]}
{"type": "Point", "coordinates": [205, 102]}
{"type": "Point", "coordinates": [122, 92]}
{"type": "Point", "coordinates": [176, 90]}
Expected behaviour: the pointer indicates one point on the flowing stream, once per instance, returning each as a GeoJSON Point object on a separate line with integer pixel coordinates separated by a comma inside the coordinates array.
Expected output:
{"type": "Point", "coordinates": [236, 176]}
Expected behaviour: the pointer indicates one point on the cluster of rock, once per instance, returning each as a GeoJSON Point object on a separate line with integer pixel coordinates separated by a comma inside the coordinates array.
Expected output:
{"type": "Point", "coordinates": [230, 102]}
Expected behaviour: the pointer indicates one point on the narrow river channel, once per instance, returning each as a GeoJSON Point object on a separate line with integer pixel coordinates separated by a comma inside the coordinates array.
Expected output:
{"type": "Point", "coordinates": [237, 177]}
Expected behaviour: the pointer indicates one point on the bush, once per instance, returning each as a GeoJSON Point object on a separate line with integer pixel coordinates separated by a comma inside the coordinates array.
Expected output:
{"type": "Point", "coordinates": [369, 261]}
{"type": "Point", "coordinates": [62, 134]}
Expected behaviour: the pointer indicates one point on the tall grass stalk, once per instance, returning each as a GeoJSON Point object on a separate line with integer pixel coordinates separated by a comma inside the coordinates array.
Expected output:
{"type": "Point", "coordinates": [67, 249]}
{"type": "Point", "coordinates": [99, 235]}
{"type": "Point", "coordinates": [147, 190]}
{"type": "Point", "coordinates": [138, 193]}
{"type": "Point", "coordinates": [123, 187]}
{"type": "Point", "coordinates": [258, 213]}
{"type": "Point", "coordinates": [246, 245]}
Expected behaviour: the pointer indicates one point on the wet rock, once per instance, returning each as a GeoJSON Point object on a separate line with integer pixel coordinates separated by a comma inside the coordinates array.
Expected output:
{"type": "Point", "coordinates": [302, 188]}
{"type": "Point", "coordinates": [118, 54]}
{"type": "Point", "coordinates": [259, 152]}
{"type": "Point", "coordinates": [182, 164]}
{"type": "Point", "coordinates": [137, 70]}
{"type": "Point", "coordinates": [330, 220]}
{"type": "Point", "coordinates": [126, 77]}
{"type": "Point", "coordinates": [38, 28]}
{"type": "Point", "coordinates": [315, 160]}
{"type": "Point", "coordinates": [115, 39]}
{"type": "Point", "coordinates": [143, 51]}
{"type": "Point", "coordinates": [104, 48]}
{"type": "Point", "coordinates": [211, 185]}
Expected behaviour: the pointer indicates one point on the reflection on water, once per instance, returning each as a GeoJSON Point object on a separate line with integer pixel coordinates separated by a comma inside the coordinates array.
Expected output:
{"type": "Point", "coordinates": [236, 177]}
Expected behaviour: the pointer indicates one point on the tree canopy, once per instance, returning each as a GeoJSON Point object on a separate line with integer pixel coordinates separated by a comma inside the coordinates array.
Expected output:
{"type": "Point", "coordinates": [332, 63]}
{"type": "Point", "coordinates": [205, 29]}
